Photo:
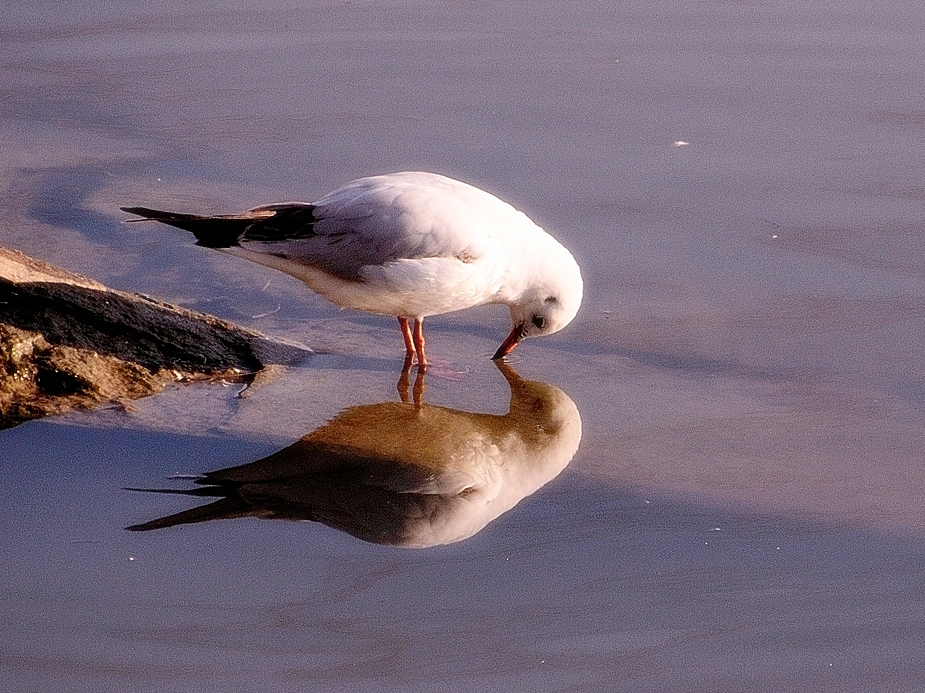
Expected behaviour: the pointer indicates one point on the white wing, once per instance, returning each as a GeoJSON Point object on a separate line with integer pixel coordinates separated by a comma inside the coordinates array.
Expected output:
{"type": "Point", "coordinates": [404, 216]}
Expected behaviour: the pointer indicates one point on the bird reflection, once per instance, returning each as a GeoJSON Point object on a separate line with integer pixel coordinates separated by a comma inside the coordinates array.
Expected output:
{"type": "Point", "coordinates": [400, 473]}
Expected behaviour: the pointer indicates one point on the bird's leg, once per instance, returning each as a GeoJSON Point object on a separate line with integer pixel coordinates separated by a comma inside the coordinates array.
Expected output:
{"type": "Point", "coordinates": [406, 335]}
{"type": "Point", "coordinates": [418, 342]}
{"type": "Point", "coordinates": [414, 341]}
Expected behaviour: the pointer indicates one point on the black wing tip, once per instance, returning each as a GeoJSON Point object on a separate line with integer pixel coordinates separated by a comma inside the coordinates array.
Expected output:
{"type": "Point", "coordinates": [210, 232]}
{"type": "Point", "coordinates": [143, 527]}
{"type": "Point", "coordinates": [270, 223]}
{"type": "Point", "coordinates": [142, 211]}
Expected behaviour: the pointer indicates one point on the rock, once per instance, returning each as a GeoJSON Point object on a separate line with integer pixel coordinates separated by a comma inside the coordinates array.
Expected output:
{"type": "Point", "coordinates": [67, 342]}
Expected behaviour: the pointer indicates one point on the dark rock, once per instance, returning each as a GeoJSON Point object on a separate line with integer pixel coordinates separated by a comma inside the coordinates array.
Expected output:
{"type": "Point", "coordinates": [68, 342]}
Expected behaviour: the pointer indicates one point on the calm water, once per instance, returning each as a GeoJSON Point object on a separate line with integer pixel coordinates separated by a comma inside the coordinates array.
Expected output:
{"type": "Point", "coordinates": [742, 185]}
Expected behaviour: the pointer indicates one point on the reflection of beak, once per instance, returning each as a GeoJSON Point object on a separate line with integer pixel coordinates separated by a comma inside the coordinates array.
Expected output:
{"type": "Point", "coordinates": [513, 339]}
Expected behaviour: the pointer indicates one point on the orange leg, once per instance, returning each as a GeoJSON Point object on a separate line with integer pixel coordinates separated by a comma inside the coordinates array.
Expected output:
{"type": "Point", "coordinates": [406, 335]}
{"type": "Point", "coordinates": [414, 341]}
{"type": "Point", "coordinates": [418, 339]}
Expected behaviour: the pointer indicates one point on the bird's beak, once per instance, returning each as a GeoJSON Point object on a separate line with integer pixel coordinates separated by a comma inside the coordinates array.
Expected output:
{"type": "Point", "coordinates": [513, 339]}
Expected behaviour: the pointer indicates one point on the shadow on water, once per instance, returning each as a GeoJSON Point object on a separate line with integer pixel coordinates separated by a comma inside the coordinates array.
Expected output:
{"type": "Point", "coordinates": [58, 199]}
{"type": "Point", "coordinates": [58, 196]}
{"type": "Point", "coordinates": [400, 473]}
{"type": "Point", "coordinates": [61, 200]}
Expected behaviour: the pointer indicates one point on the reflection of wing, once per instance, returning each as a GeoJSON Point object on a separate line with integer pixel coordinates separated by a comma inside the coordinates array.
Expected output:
{"type": "Point", "coordinates": [404, 475]}
{"type": "Point", "coordinates": [391, 445]}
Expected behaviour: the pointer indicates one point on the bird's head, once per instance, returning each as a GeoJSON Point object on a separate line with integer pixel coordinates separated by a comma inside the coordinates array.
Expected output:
{"type": "Point", "coordinates": [547, 305]}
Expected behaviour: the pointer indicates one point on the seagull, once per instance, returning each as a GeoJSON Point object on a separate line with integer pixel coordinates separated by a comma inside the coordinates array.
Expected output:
{"type": "Point", "coordinates": [408, 245]}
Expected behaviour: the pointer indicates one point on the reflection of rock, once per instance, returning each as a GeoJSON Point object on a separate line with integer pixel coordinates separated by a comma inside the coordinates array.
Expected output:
{"type": "Point", "coordinates": [395, 473]}
{"type": "Point", "coordinates": [67, 342]}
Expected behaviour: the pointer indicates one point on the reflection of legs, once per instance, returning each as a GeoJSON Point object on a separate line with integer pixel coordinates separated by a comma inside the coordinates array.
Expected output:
{"type": "Point", "coordinates": [404, 383]}
{"type": "Point", "coordinates": [414, 341]}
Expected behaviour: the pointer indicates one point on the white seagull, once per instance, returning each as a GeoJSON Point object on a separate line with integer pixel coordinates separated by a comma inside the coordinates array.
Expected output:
{"type": "Point", "coordinates": [409, 245]}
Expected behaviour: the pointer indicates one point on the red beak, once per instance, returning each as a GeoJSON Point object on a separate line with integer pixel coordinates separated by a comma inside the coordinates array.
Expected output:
{"type": "Point", "coordinates": [507, 346]}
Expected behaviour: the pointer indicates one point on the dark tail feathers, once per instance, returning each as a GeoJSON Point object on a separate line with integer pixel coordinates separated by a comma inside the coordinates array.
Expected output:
{"type": "Point", "coordinates": [276, 222]}
{"type": "Point", "coordinates": [211, 232]}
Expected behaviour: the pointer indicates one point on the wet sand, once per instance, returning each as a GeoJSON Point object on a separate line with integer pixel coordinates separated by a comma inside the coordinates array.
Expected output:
{"type": "Point", "coordinates": [742, 187]}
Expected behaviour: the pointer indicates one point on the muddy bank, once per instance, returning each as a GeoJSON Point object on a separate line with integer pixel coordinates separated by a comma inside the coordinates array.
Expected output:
{"type": "Point", "coordinates": [67, 342]}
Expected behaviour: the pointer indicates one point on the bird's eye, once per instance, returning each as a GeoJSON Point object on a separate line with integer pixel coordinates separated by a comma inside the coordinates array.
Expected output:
{"type": "Point", "coordinates": [539, 321]}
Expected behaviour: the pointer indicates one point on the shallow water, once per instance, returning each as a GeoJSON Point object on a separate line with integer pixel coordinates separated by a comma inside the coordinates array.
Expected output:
{"type": "Point", "coordinates": [741, 183]}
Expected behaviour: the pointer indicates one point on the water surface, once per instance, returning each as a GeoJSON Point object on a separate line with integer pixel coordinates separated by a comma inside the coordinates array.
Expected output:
{"type": "Point", "coordinates": [741, 184]}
